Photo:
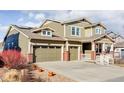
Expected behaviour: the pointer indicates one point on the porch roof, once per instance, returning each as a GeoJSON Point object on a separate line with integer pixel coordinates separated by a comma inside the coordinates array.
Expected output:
{"type": "Point", "coordinates": [95, 37]}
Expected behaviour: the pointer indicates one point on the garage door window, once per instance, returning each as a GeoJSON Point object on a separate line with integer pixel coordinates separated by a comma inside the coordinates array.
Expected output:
{"type": "Point", "coordinates": [44, 47]}
{"type": "Point", "coordinates": [58, 47]}
{"type": "Point", "coordinates": [51, 47]}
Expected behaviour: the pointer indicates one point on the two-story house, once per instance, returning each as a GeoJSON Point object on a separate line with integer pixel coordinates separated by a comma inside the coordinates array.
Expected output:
{"type": "Point", "coordinates": [60, 41]}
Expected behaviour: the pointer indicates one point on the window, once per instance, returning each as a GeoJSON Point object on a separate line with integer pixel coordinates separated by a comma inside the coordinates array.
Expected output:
{"type": "Point", "coordinates": [98, 31]}
{"type": "Point", "coordinates": [46, 33]}
{"type": "Point", "coordinates": [75, 31]}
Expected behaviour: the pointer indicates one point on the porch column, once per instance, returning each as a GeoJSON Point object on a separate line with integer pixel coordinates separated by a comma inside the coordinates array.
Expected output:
{"type": "Point", "coordinates": [66, 52]}
{"type": "Point", "coordinates": [30, 53]}
{"type": "Point", "coordinates": [93, 52]}
{"type": "Point", "coordinates": [103, 48]}
{"type": "Point", "coordinates": [112, 49]}
{"type": "Point", "coordinates": [79, 53]}
{"type": "Point", "coordinates": [62, 51]}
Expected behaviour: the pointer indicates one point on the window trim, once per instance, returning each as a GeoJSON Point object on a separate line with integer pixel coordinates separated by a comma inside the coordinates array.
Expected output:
{"type": "Point", "coordinates": [46, 33]}
{"type": "Point", "coordinates": [76, 31]}
{"type": "Point", "coordinates": [99, 30]}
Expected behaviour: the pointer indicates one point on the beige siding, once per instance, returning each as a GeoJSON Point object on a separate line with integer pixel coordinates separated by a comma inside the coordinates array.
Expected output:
{"type": "Point", "coordinates": [88, 32]}
{"type": "Point", "coordinates": [102, 30]}
{"type": "Point", "coordinates": [81, 25]}
{"type": "Point", "coordinates": [23, 41]}
{"type": "Point", "coordinates": [59, 28]}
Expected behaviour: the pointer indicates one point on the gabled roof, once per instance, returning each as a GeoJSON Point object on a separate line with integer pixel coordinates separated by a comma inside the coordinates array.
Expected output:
{"type": "Point", "coordinates": [96, 37]}
{"type": "Point", "coordinates": [28, 33]}
{"type": "Point", "coordinates": [96, 24]}
{"type": "Point", "coordinates": [68, 21]}
{"type": "Point", "coordinates": [114, 35]}
{"type": "Point", "coordinates": [76, 20]}
{"type": "Point", "coordinates": [41, 29]}
{"type": "Point", "coordinates": [50, 20]}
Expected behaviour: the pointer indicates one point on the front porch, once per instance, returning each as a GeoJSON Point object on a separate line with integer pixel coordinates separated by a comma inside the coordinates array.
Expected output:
{"type": "Point", "coordinates": [93, 50]}
{"type": "Point", "coordinates": [95, 47]}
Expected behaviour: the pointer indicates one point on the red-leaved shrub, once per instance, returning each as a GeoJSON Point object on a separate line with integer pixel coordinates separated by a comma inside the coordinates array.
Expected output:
{"type": "Point", "coordinates": [13, 59]}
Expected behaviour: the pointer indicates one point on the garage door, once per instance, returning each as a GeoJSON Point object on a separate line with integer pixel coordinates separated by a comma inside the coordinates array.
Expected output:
{"type": "Point", "coordinates": [47, 53]}
{"type": "Point", "coordinates": [73, 53]}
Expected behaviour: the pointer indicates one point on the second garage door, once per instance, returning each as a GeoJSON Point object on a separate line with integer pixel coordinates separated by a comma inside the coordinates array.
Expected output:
{"type": "Point", "coordinates": [47, 53]}
{"type": "Point", "coordinates": [73, 53]}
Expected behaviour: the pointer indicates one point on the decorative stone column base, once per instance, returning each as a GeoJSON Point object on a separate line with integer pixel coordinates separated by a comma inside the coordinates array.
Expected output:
{"type": "Point", "coordinates": [81, 55]}
{"type": "Point", "coordinates": [93, 55]}
{"type": "Point", "coordinates": [66, 56]}
{"type": "Point", "coordinates": [30, 58]}
{"type": "Point", "coordinates": [103, 52]}
{"type": "Point", "coordinates": [112, 52]}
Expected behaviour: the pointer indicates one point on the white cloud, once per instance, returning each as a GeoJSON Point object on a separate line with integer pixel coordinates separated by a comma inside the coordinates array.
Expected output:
{"type": "Point", "coordinates": [112, 19]}
{"type": "Point", "coordinates": [31, 24]}
{"type": "Point", "coordinates": [20, 19]}
{"type": "Point", "coordinates": [3, 31]}
{"type": "Point", "coordinates": [30, 15]}
{"type": "Point", "coordinates": [40, 16]}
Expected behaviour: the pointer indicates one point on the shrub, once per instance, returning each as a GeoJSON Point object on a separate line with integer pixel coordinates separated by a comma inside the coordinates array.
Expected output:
{"type": "Point", "coordinates": [13, 59]}
{"type": "Point", "coordinates": [12, 75]}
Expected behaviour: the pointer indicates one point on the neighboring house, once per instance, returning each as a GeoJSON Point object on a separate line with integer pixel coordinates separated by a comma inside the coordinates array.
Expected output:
{"type": "Point", "coordinates": [119, 50]}
{"type": "Point", "coordinates": [116, 37]}
{"type": "Point", "coordinates": [119, 44]}
{"type": "Point", "coordinates": [69, 40]}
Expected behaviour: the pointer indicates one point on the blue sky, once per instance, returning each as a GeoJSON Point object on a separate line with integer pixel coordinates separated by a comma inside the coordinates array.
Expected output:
{"type": "Point", "coordinates": [114, 20]}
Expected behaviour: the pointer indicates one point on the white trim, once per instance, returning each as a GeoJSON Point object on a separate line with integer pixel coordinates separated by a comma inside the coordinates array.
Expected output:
{"type": "Point", "coordinates": [91, 31]}
{"type": "Point", "coordinates": [39, 44]}
{"type": "Point", "coordinates": [112, 47]}
{"type": "Point", "coordinates": [93, 46]}
{"type": "Point", "coordinates": [76, 26]}
{"type": "Point", "coordinates": [46, 44]}
{"type": "Point", "coordinates": [107, 36]}
{"type": "Point", "coordinates": [62, 51]}
{"type": "Point", "coordinates": [103, 47]}
{"type": "Point", "coordinates": [67, 46]}
{"type": "Point", "coordinates": [99, 30]}
{"type": "Point", "coordinates": [64, 30]}
{"type": "Point", "coordinates": [74, 45]}
{"type": "Point", "coordinates": [75, 31]}
{"type": "Point", "coordinates": [43, 29]}
{"type": "Point", "coordinates": [46, 33]}
{"type": "Point", "coordinates": [29, 47]}
{"type": "Point", "coordinates": [79, 49]}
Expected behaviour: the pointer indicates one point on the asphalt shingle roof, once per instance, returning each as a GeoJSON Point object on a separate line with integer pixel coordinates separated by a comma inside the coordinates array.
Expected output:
{"type": "Point", "coordinates": [28, 32]}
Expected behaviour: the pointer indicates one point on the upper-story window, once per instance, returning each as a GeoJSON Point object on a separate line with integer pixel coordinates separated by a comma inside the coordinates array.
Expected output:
{"type": "Point", "coordinates": [46, 33]}
{"type": "Point", "coordinates": [98, 31]}
{"type": "Point", "coordinates": [75, 31]}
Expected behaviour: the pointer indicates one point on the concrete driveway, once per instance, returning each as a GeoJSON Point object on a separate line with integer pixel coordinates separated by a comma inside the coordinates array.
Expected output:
{"type": "Point", "coordinates": [83, 71]}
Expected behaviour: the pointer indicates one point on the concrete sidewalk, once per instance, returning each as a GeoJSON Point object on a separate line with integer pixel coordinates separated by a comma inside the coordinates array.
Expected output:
{"type": "Point", "coordinates": [83, 71]}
